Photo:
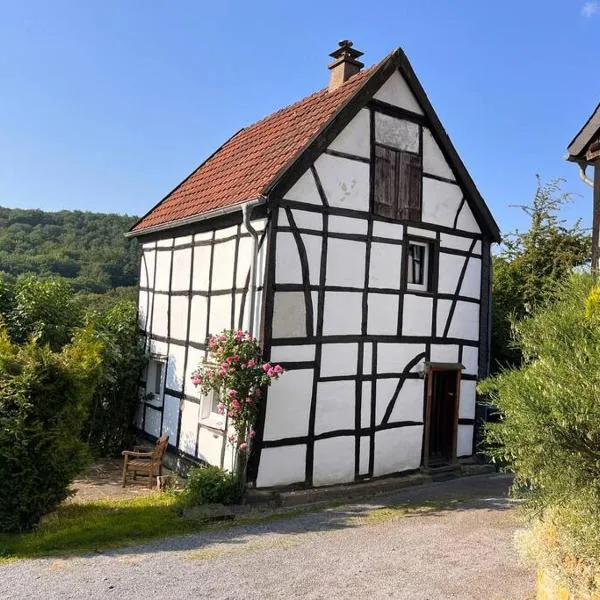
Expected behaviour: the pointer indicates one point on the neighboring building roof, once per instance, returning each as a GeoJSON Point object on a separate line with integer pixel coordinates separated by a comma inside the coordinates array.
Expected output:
{"type": "Point", "coordinates": [269, 155]}
{"type": "Point", "coordinates": [588, 133]}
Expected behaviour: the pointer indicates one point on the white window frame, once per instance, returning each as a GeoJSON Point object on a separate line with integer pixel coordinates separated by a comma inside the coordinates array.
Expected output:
{"type": "Point", "coordinates": [422, 287]}
{"type": "Point", "coordinates": [157, 366]}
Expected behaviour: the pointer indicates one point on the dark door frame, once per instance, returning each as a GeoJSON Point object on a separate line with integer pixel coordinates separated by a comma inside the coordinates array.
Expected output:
{"type": "Point", "coordinates": [430, 369]}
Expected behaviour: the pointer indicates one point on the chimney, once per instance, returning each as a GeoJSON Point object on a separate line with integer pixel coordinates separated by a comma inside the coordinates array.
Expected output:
{"type": "Point", "coordinates": [344, 65]}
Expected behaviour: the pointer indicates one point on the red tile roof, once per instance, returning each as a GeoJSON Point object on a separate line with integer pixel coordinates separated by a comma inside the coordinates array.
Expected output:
{"type": "Point", "coordinates": [241, 169]}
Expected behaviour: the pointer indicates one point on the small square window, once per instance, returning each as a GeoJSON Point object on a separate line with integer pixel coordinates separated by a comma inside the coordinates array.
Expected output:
{"type": "Point", "coordinates": [155, 375]}
{"type": "Point", "coordinates": [417, 268]}
{"type": "Point", "coordinates": [210, 403]}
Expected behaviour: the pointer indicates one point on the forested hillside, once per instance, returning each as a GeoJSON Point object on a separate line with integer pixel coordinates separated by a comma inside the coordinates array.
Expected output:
{"type": "Point", "coordinates": [87, 248]}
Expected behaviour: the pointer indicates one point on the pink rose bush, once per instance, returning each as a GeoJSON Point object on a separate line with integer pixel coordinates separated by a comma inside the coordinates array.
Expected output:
{"type": "Point", "coordinates": [237, 372]}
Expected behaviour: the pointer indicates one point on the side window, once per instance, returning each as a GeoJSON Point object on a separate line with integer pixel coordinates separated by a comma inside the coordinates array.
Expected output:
{"type": "Point", "coordinates": [398, 169]}
{"type": "Point", "coordinates": [155, 378]}
{"type": "Point", "coordinates": [419, 266]}
{"type": "Point", "coordinates": [209, 405]}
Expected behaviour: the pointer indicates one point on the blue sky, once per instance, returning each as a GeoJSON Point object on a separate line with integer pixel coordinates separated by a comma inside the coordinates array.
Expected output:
{"type": "Point", "coordinates": [107, 105]}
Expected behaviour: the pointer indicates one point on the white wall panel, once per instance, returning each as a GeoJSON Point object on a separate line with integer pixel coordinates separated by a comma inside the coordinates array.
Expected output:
{"type": "Point", "coordinates": [434, 162]}
{"type": "Point", "coordinates": [365, 452]}
{"type": "Point", "coordinates": [201, 268]}
{"type": "Point", "coordinates": [305, 190]}
{"type": "Point", "coordinates": [147, 268]}
{"type": "Point", "coordinates": [170, 418]}
{"type": "Point", "coordinates": [459, 243]}
{"type": "Point", "coordinates": [385, 265]}
{"type": "Point", "coordinates": [182, 263]}
{"type": "Point", "coordinates": [396, 91]}
{"type": "Point", "coordinates": [183, 239]}
{"type": "Point", "coordinates": [312, 246]}
{"type": "Point", "coordinates": [209, 446]}
{"type": "Point", "coordinates": [355, 137]}
{"type": "Point", "coordinates": [466, 220]}
{"type": "Point", "coordinates": [392, 231]}
{"type": "Point", "coordinates": [225, 232]}
{"type": "Point", "coordinates": [397, 449]}
{"type": "Point", "coordinates": [195, 358]}
{"type": "Point", "coordinates": [393, 357]}
{"type": "Point", "coordinates": [443, 310]}
{"type": "Point", "coordinates": [470, 360]}
{"type": "Point", "coordinates": [306, 352]}
{"type": "Point", "coordinates": [398, 133]}
{"type": "Point", "coordinates": [288, 405]}
{"type": "Point", "coordinates": [421, 232]}
{"type": "Point", "coordinates": [289, 315]}
{"type": "Point", "coordinates": [440, 202]}
{"type": "Point", "coordinates": [143, 310]}
{"type": "Point", "coordinates": [306, 219]}
{"type": "Point", "coordinates": [175, 365]}
{"type": "Point", "coordinates": [346, 263]}
{"type": "Point", "coordinates": [465, 322]}
{"type": "Point", "coordinates": [165, 243]}
{"type": "Point", "coordinates": [160, 314]}
{"type": "Point", "coordinates": [382, 314]}
{"type": "Point", "coordinates": [464, 443]}
{"type": "Point", "coordinates": [287, 263]}
{"type": "Point", "coordinates": [335, 406]}
{"type": "Point", "coordinates": [179, 317]}
{"type": "Point", "coordinates": [345, 182]}
{"type": "Point", "coordinates": [338, 359]}
{"type": "Point", "coordinates": [417, 314]}
{"type": "Point", "coordinates": [333, 461]}
{"type": "Point", "coordinates": [158, 348]}
{"type": "Point", "coordinates": [365, 405]}
{"type": "Point", "coordinates": [220, 314]}
{"type": "Point", "coordinates": [338, 224]}
{"type": "Point", "coordinates": [163, 270]}
{"type": "Point", "coordinates": [444, 353]}
{"type": "Point", "coordinates": [244, 263]}
{"type": "Point", "coordinates": [367, 358]}
{"type": "Point", "coordinates": [471, 285]}
{"type": "Point", "coordinates": [282, 466]}
{"type": "Point", "coordinates": [189, 426]}
{"type": "Point", "coordinates": [466, 409]}
{"type": "Point", "coordinates": [450, 267]}
{"type": "Point", "coordinates": [198, 331]}
{"type": "Point", "coordinates": [152, 423]}
{"type": "Point", "coordinates": [342, 314]}
{"type": "Point", "coordinates": [224, 258]}
{"type": "Point", "coordinates": [409, 404]}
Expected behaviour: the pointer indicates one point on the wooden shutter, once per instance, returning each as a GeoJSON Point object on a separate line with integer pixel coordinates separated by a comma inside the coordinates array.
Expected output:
{"type": "Point", "coordinates": [409, 186]}
{"type": "Point", "coordinates": [386, 197]}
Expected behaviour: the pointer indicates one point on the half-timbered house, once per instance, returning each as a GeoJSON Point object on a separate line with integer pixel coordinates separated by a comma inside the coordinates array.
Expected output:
{"type": "Point", "coordinates": [344, 231]}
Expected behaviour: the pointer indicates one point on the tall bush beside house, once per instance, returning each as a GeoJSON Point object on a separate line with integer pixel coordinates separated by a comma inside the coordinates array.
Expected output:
{"type": "Point", "coordinates": [238, 374]}
{"type": "Point", "coordinates": [109, 427]}
{"type": "Point", "coordinates": [44, 398]}
{"type": "Point", "coordinates": [549, 432]}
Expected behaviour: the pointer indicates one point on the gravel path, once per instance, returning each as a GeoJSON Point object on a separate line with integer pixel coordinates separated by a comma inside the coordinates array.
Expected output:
{"type": "Point", "coordinates": [347, 552]}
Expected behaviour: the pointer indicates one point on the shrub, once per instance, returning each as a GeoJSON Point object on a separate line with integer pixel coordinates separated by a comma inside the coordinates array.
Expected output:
{"type": "Point", "coordinates": [549, 427]}
{"type": "Point", "coordinates": [209, 484]}
{"type": "Point", "coordinates": [44, 397]}
{"type": "Point", "coordinates": [109, 427]}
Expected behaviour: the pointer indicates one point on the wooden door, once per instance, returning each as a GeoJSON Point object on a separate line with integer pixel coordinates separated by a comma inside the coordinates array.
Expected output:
{"type": "Point", "coordinates": [441, 424]}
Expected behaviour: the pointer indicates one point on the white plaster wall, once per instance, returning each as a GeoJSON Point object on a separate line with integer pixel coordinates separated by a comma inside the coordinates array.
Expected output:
{"type": "Point", "coordinates": [224, 259]}
{"type": "Point", "coordinates": [287, 264]}
{"type": "Point", "coordinates": [421, 232]}
{"type": "Point", "coordinates": [306, 219]}
{"type": "Point", "coordinates": [182, 240]}
{"type": "Point", "coordinates": [201, 268]}
{"type": "Point", "coordinates": [345, 182]}
{"type": "Point", "coordinates": [312, 245]}
{"type": "Point", "coordinates": [346, 263]}
{"type": "Point", "coordinates": [355, 137]}
{"type": "Point", "coordinates": [450, 267]}
{"type": "Point", "coordinates": [396, 91]}
{"type": "Point", "coordinates": [408, 405]}
{"type": "Point", "coordinates": [363, 467]}
{"type": "Point", "coordinates": [220, 313]}
{"type": "Point", "coordinates": [288, 405]}
{"type": "Point", "coordinates": [466, 408]}
{"type": "Point", "coordinates": [152, 423]}
{"type": "Point", "coordinates": [397, 449]}
{"type": "Point", "coordinates": [465, 322]}
{"type": "Point", "coordinates": [440, 202]}
{"type": "Point", "coordinates": [471, 285]}
{"type": "Point", "coordinates": [338, 224]}
{"type": "Point", "coordinates": [464, 442]}
{"type": "Point", "coordinates": [179, 316]}
{"type": "Point", "coordinates": [367, 358]}
{"type": "Point", "coordinates": [393, 357]}
{"type": "Point", "coordinates": [466, 220]}
{"type": "Point", "coordinates": [147, 267]}
{"type": "Point", "coordinates": [195, 358]}
{"type": "Point", "coordinates": [417, 314]}
{"type": "Point", "coordinates": [382, 314]}
{"type": "Point", "coordinates": [143, 310]}
{"type": "Point", "coordinates": [289, 315]}
{"type": "Point", "coordinates": [305, 190]}
{"type": "Point", "coordinates": [190, 413]}
{"type": "Point", "coordinates": [166, 243]}
{"type": "Point", "coordinates": [383, 229]}
{"type": "Point", "coordinates": [157, 347]}
{"type": "Point", "coordinates": [444, 353]}
{"type": "Point", "coordinates": [365, 405]}
{"type": "Point", "coordinates": [198, 313]}
{"type": "Point", "coordinates": [470, 360]}
{"type": "Point", "coordinates": [434, 162]}
{"type": "Point", "coordinates": [182, 262]}
{"type": "Point", "coordinates": [305, 352]}
{"type": "Point", "coordinates": [281, 466]}
{"type": "Point", "coordinates": [458, 242]}
{"type": "Point", "coordinates": [175, 364]}
{"type": "Point", "coordinates": [338, 359]}
{"type": "Point", "coordinates": [170, 418]}
{"type": "Point", "coordinates": [335, 406]}
{"type": "Point", "coordinates": [342, 314]}
{"type": "Point", "coordinates": [333, 461]}
{"type": "Point", "coordinates": [385, 265]}
{"type": "Point", "coordinates": [160, 314]}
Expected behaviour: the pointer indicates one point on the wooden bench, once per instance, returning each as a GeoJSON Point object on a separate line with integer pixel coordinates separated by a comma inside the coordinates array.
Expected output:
{"type": "Point", "coordinates": [147, 461]}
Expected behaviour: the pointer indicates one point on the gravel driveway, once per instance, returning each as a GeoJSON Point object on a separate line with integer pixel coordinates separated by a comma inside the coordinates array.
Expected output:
{"type": "Point", "coordinates": [353, 551]}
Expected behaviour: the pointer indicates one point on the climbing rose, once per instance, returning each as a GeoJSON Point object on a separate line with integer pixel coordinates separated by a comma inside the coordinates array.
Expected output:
{"type": "Point", "coordinates": [243, 446]}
